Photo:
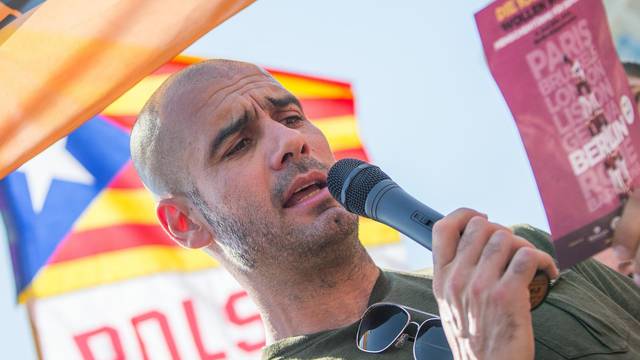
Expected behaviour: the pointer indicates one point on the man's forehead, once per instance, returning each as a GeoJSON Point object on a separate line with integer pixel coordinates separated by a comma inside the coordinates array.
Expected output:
{"type": "Point", "coordinates": [191, 98]}
{"type": "Point", "coordinates": [224, 105]}
{"type": "Point", "coordinates": [256, 86]}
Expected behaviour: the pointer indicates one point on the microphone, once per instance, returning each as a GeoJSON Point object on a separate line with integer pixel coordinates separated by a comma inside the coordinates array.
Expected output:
{"type": "Point", "coordinates": [366, 190]}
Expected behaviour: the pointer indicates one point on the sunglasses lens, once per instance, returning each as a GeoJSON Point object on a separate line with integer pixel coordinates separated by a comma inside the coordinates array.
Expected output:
{"type": "Point", "coordinates": [380, 326]}
{"type": "Point", "coordinates": [431, 342]}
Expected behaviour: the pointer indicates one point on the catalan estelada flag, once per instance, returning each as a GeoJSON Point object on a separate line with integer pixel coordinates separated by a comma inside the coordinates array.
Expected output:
{"type": "Point", "coordinates": [63, 61]}
{"type": "Point", "coordinates": [96, 267]}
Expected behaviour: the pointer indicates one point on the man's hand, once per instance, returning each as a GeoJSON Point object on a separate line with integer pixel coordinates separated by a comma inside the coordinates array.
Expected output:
{"type": "Point", "coordinates": [626, 238]}
{"type": "Point", "coordinates": [481, 277]}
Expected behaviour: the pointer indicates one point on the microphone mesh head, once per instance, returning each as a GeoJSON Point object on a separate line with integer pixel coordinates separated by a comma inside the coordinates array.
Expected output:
{"type": "Point", "coordinates": [359, 186]}
{"type": "Point", "coordinates": [339, 173]}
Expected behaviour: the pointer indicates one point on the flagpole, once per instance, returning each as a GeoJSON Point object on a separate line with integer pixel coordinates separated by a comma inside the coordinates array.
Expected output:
{"type": "Point", "coordinates": [34, 330]}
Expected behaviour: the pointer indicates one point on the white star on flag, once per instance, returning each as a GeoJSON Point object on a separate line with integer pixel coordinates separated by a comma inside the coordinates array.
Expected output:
{"type": "Point", "coordinates": [56, 162]}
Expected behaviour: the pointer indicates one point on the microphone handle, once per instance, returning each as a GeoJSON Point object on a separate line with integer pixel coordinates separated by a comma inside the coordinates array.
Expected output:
{"type": "Point", "coordinates": [404, 213]}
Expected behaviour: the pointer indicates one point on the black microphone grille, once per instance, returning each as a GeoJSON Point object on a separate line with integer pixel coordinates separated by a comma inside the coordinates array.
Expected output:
{"type": "Point", "coordinates": [358, 188]}
{"type": "Point", "coordinates": [339, 173]}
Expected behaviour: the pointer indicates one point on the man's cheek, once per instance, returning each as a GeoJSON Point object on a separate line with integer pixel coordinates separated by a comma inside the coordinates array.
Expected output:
{"type": "Point", "coordinates": [236, 193]}
{"type": "Point", "coordinates": [320, 144]}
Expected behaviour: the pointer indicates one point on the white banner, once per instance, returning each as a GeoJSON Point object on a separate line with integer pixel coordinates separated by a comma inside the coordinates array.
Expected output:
{"type": "Point", "coordinates": [196, 315]}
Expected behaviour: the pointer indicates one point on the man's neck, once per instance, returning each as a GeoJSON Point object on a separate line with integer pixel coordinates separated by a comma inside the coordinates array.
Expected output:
{"type": "Point", "coordinates": [316, 298]}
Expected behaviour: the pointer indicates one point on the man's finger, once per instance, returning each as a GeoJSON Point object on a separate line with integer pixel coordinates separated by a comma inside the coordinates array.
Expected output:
{"type": "Point", "coordinates": [626, 237]}
{"type": "Point", "coordinates": [474, 238]}
{"type": "Point", "coordinates": [446, 234]}
{"type": "Point", "coordinates": [525, 263]}
{"type": "Point", "coordinates": [496, 256]}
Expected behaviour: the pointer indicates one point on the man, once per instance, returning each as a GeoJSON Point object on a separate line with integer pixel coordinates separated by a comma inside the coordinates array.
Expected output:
{"type": "Point", "coordinates": [241, 173]}
{"type": "Point", "coordinates": [633, 73]}
{"type": "Point", "coordinates": [608, 257]}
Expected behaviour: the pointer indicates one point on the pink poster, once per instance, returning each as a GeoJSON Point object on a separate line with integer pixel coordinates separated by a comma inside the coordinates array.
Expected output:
{"type": "Point", "coordinates": [556, 66]}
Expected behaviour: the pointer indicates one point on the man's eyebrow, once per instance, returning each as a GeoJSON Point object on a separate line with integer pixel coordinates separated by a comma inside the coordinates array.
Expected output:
{"type": "Point", "coordinates": [235, 127]}
{"type": "Point", "coordinates": [284, 101]}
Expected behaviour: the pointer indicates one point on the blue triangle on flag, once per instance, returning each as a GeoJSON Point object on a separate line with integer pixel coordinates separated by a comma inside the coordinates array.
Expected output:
{"type": "Point", "coordinates": [101, 149]}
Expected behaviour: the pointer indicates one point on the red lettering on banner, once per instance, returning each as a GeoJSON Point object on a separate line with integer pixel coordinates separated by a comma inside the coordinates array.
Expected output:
{"type": "Point", "coordinates": [82, 341]}
{"type": "Point", "coordinates": [164, 327]}
{"type": "Point", "coordinates": [187, 305]}
{"type": "Point", "coordinates": [234, 317]}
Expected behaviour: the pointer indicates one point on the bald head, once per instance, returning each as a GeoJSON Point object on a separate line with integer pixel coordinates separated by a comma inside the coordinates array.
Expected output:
{"type": "Point", "coordinates": [222, 140]}
{"type": "Point", "coordinates": [167, 121]}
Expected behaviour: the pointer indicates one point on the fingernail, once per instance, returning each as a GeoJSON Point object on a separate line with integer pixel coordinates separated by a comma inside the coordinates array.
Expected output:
{"type": "Point", "coordinates": [619, 251]}
{"type": "Point", "coordinates": [636, 278]}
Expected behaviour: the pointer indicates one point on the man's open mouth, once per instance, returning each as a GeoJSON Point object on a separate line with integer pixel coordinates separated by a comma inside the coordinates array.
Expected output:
{"type": "Point", "coordinates": [305, 191]}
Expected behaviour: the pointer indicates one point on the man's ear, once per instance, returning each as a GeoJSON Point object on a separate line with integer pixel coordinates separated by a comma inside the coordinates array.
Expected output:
{"type": "Point", "coordinates": [183, 227]}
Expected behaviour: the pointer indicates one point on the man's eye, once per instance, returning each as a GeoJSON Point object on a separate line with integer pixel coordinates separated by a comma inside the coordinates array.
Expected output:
{"type": "Point", "coordinates": [238, 147]}
{"type": "Point", "coordinates": [292, 120]}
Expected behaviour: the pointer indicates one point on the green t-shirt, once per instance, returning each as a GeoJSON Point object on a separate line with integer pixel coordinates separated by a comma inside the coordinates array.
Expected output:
{"type": "Point", "coordinates": [592, 312]}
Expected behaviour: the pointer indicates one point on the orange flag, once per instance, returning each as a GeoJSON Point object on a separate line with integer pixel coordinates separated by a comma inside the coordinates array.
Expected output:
{"type": "Point", "coordinates": [64, 61]}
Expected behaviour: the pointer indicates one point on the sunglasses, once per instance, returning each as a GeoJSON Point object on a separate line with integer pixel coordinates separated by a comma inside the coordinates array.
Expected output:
{"type": "Point", "coordinates": [385, 324]}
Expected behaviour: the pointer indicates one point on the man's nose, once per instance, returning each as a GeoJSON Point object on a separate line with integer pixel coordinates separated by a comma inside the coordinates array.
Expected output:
{"type": "Point", "coordinates": [289, 145]}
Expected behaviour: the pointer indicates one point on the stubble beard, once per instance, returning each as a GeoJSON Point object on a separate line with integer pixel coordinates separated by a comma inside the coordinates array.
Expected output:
{"type": "Point", "coordinates": [254, 243]}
